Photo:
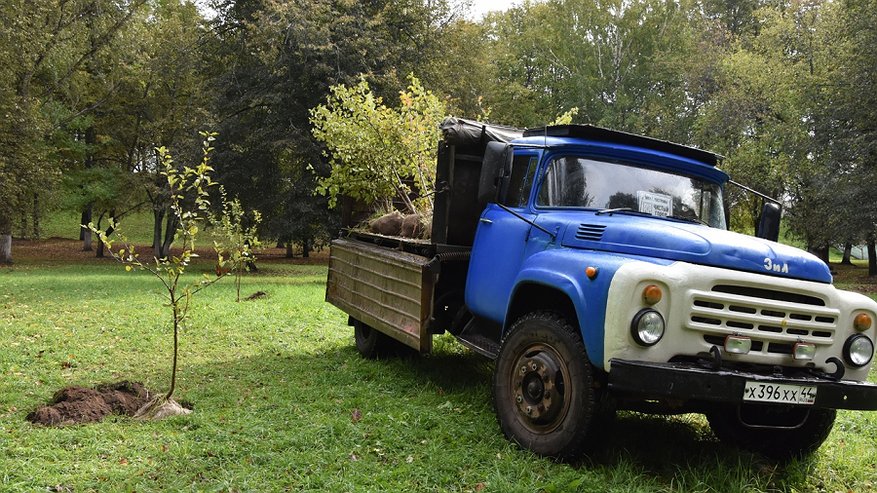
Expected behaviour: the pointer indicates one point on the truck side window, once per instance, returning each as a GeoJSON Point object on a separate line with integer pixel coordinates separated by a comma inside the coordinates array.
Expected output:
{"type": "Point", "coordinates": [521, 181]}
{"type": "Point", "coordinates": [565, 184]}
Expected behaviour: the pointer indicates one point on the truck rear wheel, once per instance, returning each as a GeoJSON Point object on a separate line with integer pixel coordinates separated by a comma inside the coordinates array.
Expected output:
{"type": "Point", "coordinates": [777, 432]}
{"type": "Point", "coordinates": [543, 386]}
{"type": "Point", "coordinates": [372, 343]}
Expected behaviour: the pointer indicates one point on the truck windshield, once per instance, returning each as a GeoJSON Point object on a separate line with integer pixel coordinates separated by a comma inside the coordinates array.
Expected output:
{"type": "Point", "coordinates": [579, 182]}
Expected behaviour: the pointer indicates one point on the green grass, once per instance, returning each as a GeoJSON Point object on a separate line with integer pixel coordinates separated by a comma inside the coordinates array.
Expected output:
{"type": "Point", "coordinates": [276, 384]}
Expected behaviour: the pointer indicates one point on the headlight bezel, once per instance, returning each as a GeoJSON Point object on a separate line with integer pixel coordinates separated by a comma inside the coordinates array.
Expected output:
{"type": "Point", "coordinates": [848, 346]}
{"type": "Point", "coordinates": [636, 333]}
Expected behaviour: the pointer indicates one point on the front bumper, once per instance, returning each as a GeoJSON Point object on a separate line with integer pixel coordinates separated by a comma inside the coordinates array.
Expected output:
{"type": "Point", "coordinates": [691, 383]}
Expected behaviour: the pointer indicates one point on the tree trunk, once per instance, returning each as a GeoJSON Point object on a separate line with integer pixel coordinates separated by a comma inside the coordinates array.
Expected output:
{"type": "Point", "coordinates": [23, 227]}
{"type": "Point", "coordinates": [237, 281]}
{"type": "Point", "coordinates": [90, 142]}
{"type": "Point", "coordinates": [756, 215]}
{"type": "Point", "coordinates": [84, 219]}
{"type": "Point", "coordinates": [289, 249]}
{"type": "Point", "coordinates": [158, 220]}
{"type": "Point", "coordinates": [177, 317]}
{"type": "Point", "coordinates": [168, 235]}
{"type": "Point", "coordinates": [5, 248]}
{"type": "Point", "coordinates": [872, 258]}
{"type": "Point", "coordinates": [36, 212]}
{"type": "Point", "coordinates": [848, 253]}
{"type": "Point", "coordinates": [100, 245]}
{"type": "Point", "coordinates": [306, 248]}
{"type": "Point", "coordinates": [822, 253]}
{"type": "Point", "coordinates": [86, 237]}
{"type": "Point", "coordinates": [5, 239]}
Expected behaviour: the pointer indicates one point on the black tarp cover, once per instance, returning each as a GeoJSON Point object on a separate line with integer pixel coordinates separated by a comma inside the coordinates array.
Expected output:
{"type": "Point", "coordinates": [462, 132]}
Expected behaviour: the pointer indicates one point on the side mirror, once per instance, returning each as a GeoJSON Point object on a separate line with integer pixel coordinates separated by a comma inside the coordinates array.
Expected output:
{"type": "Point", "coordinates": [769, 225]}
{"type": "Point", "coordinates": [495, 171]}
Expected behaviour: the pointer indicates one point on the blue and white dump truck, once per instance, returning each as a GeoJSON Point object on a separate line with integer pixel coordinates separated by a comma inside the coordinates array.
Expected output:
{"type": "Point", "coordinates": [595, 267]}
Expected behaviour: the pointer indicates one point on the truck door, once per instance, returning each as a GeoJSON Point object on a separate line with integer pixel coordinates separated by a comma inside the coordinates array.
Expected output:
{"type": "Point", "coordinates": [500, 242]}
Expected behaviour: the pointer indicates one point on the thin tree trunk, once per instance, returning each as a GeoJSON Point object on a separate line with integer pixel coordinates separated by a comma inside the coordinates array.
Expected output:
{"type": "Point", "coordinates": [289, 249]}
{"type": "Point", "coordinates": [36, 212]}
{"type": "Point", "coordinates": [23, 226]}
{"type": "Point", "coordinates": [158, 220]}
{"type": "Point", "coordinates": [240, 272]}
{"type": "Point", "coordinates": [306, 248]}
{"type": "Point", "coordinates": [84, 219]}
{"type": "Point", "coordinates": [108, 232]}
{"type": "Point", "coordinates": [5, 248]}
{"type": "Point", "coordinates": [822, 253]}
{"type": "Point", "coordinates": [872, 258]}
{"type": "Point", "coordinates": [86, 237]}
{"type": "Point", "coordinates": [5, 239]}
{"type": "Point", "coordinates": [168, 235]}
{"type": "Point", "coordinates": [848, 253]}
{"type": "Point", "coordinates": [90, 143]}
{"type": "Point", "coordinates": [176, 349]}
{"type": "Point", "coordinates": [756, 216]}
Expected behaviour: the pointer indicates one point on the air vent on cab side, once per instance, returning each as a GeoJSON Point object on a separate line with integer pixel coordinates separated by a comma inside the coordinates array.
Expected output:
{"type": "Point", "coordinates": [590, 232]}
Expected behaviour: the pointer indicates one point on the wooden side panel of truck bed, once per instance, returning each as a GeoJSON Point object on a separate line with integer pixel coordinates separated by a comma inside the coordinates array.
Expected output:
{"type": "Point", "coordinates": [387, 289]}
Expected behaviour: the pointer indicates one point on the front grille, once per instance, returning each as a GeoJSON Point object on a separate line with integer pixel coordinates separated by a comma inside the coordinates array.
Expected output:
{"type": "Point", "coordinates": [769, 294]}
{"type": "Point", "coordinates": [774, 320]}
{"type": "Point", "coordinates": [590, 232]}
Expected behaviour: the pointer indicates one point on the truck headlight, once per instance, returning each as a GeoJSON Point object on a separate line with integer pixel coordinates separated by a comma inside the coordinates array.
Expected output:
{"type": "Point", "coordinates": [858, 350]}
{"type": "Point", "coordinates": [647, 327]}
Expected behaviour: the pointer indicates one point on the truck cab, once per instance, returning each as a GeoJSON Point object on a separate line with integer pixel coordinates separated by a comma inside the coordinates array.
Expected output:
{"type": "Point", "coordinates": [596, 268]}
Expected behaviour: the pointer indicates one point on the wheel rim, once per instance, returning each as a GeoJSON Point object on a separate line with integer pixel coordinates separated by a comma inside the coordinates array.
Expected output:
{"type": "Point", "coordinates": [539, 386]}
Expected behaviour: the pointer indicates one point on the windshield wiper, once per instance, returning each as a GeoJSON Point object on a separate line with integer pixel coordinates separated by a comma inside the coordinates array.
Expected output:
{"type": "Point", "coordinates": [626, 210]}
{"type": "Point", "coordinates": [696, 220]}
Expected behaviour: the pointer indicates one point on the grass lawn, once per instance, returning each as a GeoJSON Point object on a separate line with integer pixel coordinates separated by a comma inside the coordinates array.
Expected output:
{"type": "Point", "coordinates": [283, 402]}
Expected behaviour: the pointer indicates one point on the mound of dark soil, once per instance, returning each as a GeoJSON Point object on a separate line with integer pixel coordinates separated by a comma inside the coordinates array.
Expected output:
{"type": "Point", "coordinates": [83, 405]}
{"type": "Point", "coordinates": [258, 295]}
{"type": "Point", "coordinates": [388, 224]}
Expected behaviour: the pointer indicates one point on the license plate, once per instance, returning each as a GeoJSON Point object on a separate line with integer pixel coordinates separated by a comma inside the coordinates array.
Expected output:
{"type": "Point", "coordinates": [780, 393]}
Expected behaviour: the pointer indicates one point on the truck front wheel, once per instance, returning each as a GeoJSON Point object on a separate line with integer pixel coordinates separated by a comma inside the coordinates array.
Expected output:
{"type": "Point", "coordinates": [543, 386]}
{"type": "Point", "coordinates": [777, 432]}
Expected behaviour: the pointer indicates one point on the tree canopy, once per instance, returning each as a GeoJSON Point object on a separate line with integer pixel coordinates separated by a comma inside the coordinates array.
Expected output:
{"type": "Point", "coordinates": [784, 89]}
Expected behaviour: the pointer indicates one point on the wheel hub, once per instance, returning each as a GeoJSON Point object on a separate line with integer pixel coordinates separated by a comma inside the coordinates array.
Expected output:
{"type": "Point", "coordinates": [535, 387]}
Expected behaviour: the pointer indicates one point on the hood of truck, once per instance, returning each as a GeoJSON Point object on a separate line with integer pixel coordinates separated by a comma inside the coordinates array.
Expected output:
{"type": "Point", "coordinates": [694, 243]}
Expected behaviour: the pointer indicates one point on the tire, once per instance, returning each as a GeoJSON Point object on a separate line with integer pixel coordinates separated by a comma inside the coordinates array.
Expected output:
{"type": "Point", "coordinates": [543, 389]}
{"type": "Point", "coordinates": [784, 432]}
{"type": "Point", "coordinates": [372, 343]}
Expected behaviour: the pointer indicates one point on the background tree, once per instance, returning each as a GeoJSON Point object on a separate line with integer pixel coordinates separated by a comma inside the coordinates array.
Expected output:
{"type": "Point", "coordinates": [281, 59]}
{"type": "Point", "coordinates": [107, 192]}
{"type": "Point", "coordinates": [46, 46]}
{"type": "Point", "coordinates": [235, 237]}
{"type": "Point", "coordinates": [784, 89]}
{"type": "Point", "coordinates": [845, 119]}
{"type": "Point", "coordinates": [167, 103]}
